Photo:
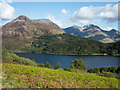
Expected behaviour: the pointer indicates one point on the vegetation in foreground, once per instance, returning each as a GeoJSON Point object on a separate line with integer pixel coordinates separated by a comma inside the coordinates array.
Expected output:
{"type": "Point", "coordinates": [106, 71]}
{"type": "Point", "coordinates": [21, 76]}
{"type": "Point", "coordinates": [13, 58]}
{"type": "Point", "coordinates": [44, 76]}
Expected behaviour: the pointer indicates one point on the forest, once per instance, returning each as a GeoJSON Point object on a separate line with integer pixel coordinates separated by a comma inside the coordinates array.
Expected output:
{"type": "Point", "coordinates": [69, 44]}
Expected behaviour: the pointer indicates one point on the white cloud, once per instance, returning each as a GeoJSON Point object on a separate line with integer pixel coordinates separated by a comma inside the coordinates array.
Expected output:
{"type": "Point", "coordinates": [6, 11]}
{"type": "Point", "coordinates": [53, 19]}
{"type": "Point", "coordinates": [9, 1]}
{"type": "Point", "coordinates": [63, 11]}
{"type": "Point", "coordinates": [87, 14]}
{"type": "Point", "coordinates": [108, 28]}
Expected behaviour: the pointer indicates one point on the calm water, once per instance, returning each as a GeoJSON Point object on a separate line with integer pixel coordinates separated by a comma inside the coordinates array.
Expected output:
{"type": "Point", "coordinates": [65, 60]}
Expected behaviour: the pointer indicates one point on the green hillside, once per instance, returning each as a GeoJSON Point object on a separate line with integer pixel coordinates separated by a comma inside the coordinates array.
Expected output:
{"type": "Point", "coordinates": [69, 44]}
{"type": "Point", "coordinates": [21, 76]}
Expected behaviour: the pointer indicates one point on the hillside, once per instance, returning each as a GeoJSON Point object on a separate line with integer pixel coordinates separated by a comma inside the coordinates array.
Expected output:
{"type": "Point", "coordinates": [20, 76]}
{"type": "Point", "coordinates": [21, 31]}
{"type": "Point", "coordinates": [69, 44]}
{"type": "Point", "coordinates": [94, 32]}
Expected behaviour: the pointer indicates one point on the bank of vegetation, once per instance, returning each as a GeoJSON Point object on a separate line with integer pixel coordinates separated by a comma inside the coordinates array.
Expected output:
{"type": "Point", "coordinates": [69, 44]}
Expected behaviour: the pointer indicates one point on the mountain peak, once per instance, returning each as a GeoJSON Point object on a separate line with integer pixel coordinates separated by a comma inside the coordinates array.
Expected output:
{"type": "Point", "coordinates": [113, 30]}
{"type": "Point", "coordinates": [89, 25]}
{"type": "Point", "coordinates": [75, 26]}
{"type": "Point", "coordinates": [22, 18]}
{"type": "Point", "coordinates": [92, 27]}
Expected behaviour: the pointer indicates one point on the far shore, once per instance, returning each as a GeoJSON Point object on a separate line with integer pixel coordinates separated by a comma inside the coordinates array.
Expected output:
{"type": "Point", "coordinates": [68, 54]}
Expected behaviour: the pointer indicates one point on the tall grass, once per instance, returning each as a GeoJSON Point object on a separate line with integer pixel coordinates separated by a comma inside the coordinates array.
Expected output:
{"type": "Point", "coordinates": [21, 76]}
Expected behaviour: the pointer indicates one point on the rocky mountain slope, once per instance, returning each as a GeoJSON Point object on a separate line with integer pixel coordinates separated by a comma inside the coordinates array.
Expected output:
{"type": "Point", "coordinates": [94, 32]}
{"type": "Point", "coordinates": [22, 30]}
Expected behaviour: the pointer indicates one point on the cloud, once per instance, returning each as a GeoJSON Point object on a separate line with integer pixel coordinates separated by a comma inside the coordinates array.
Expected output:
{"type": "Point", "coordinates": [53, 19]}
{"type": "Point", "coordinates": [62, 24]}
{"type": "Point", "coordinates": [9, 1]}
{"type": "Point", "coordinates": [6, 11]}
{"type": "Point", "coordinates": [108, 28]}
{"type": "Point", "coordinates": [87, 14]}
{"type": "Point", "coordinates": [63, 11]}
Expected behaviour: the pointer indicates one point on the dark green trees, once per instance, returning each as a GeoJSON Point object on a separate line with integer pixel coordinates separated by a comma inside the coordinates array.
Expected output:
{"type": "Point", "coordinates": [118, 70]}
{"type": "Point", "coordinates": [47, 65]}
{"type": "Point", "coordinates": [78, 64]}
{"type": "Point", "coordinates": [105, 69]}
{"type": "Point", "coordinates": [41, 65]}
{"type": "Point", "coordinates": [58, 65]}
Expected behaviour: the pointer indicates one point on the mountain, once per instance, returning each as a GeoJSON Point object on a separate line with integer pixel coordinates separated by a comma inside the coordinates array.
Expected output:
{"type": "Point", "coordinates": [94, 32]}
{"type": "Point", "coordinates": [22, 30]}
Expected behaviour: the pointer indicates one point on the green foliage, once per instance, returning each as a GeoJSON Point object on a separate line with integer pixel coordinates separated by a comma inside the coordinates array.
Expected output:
{"type": "Point", "coordinates": [118, 70]}
{"type": "Point", "coordinates": [47, 65]}
{"type": "Point", "coordinates": [112, 69]}
{"type": "Point", "coordinates": [69, 44]}
{"type": "Point", "coordinates": [58, 65]}
{"type": "Point", "coordinates": [78, 64]}
{"type": "Point", "coordinates": [72, 66]}
{"type": "Point", "coordinates": [105, 70]}
{"type": "Point", "coordinates": [41, 65]}
{"type": "Point", "coordinates": [21, 76]}
{"type": "Point", "coordinates": [13, 58]}
{"type": "Point", "coordinates": [67, 69]}
{"type": "Point", "coordinates": [4, 53]}
{"type": "Point", "coordinates": [110, 74]}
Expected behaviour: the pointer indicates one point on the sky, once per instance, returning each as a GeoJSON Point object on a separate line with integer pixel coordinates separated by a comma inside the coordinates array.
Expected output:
{"type": "Point", "coordinates": [64, 14]}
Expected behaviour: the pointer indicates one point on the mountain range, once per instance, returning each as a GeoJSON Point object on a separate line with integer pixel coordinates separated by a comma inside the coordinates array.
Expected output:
{"type": "Point", "coordinates": [94, 32]}
{"type": "Point", "coordinates": [42, 35]}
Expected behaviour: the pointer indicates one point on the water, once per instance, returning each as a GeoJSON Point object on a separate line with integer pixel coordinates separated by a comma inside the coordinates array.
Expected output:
{"type": "Point", "coordinates": [65, 60]}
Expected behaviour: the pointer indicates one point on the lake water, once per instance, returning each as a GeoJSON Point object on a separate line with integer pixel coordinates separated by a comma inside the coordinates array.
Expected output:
{"type": "Point", "coordinates": [65, 60]}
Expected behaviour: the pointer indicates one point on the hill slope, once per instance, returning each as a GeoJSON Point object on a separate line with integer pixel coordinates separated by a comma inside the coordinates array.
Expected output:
{"type": "Point", "coordinates": [20, 76]}
{"type": "Point", "coordinates": [94, 32]}
{"type": "Point", "coordinates": [22, 30]}
{"type": "Point", "coordinates": [69, 44]}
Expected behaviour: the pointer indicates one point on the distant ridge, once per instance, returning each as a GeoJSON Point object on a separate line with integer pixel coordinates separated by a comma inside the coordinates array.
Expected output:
{"type": "Point", "coordinates": [94, 32]}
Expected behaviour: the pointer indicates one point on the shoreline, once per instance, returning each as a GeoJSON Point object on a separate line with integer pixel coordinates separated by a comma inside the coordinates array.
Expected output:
{"type": "Point", "coordinates": [67, 54]}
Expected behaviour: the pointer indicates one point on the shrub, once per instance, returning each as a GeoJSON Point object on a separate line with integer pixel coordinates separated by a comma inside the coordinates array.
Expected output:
{"type": "Point", "coordinates": [67, 69]}
{"type": "Point", "coordinates": [47, 65]}
{"type": "Point", "coordinates": [78, 64]}
{"type": "Point", "coordinates": [104, 69]}
{"type": "Point", "coordinates": [58, 65]}
{"type": "Point", "coordinates": [41, 65]}
{"type": "Point", "coordinates": [112, 69]}
{"type": "Point", "coordinates": [13, 58]}
{"type": "Point", "coordinates": [118, 70]}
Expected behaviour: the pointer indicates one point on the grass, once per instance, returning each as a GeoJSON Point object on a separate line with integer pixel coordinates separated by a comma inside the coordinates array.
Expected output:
{"type": "Point", "coordinates": [21, 76]}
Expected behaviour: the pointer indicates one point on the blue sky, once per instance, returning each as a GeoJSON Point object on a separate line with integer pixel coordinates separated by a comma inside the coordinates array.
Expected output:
{"type": "Point", "coordinates": [65, 14]}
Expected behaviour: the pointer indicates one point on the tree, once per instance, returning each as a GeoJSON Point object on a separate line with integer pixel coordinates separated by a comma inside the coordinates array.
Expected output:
{"type": "Point", "coordinates": [82, 66]}
{"type": "Point", "coordinates": [41, 65]}
{"type": "Point", "coordinates": [67, 69]}
{"type": "Point", "coordinates": [72, 66]}
{"type": "Point", "coordinates": [78, 64]}
{"type": "Point", "coordinates": [47, 65]}
{"type": "Point", "coordinates": [104, 69]}
{"type": "Point", "coordinates": [96, 70]}
{"type": "Point", "coordinates": [118, 70]}
{"type": "Point", "coordinates": [112, 69]}
{"type": "Point", "coordinates": [58, 65]}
